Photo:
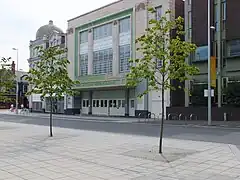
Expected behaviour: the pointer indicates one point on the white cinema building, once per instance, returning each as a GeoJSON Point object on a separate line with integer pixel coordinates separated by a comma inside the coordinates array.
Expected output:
{"type": "Point", "coordinates": [100, 44]}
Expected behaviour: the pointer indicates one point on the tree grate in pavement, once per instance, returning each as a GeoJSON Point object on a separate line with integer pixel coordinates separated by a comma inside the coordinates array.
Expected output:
{"type": "Point", "coordinates": [169, 154]}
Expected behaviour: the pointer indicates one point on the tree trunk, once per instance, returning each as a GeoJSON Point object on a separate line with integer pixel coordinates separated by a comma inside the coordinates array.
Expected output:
{"type": "Point", "coordinates": [162, 119]}
{"type": "Point", "coordinates": [51, 112]}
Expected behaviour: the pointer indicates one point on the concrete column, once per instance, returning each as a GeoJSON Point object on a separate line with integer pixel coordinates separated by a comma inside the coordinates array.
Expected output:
{"type": "Point", "coordinates": [140, 19]}
{"type": "Point", "coordinates": [219, 55]}
{"type": "Point", "coordinates": [90, 103]}
{"type": "Point", "coordinates": [65, 102]}
{"type": "Point", "coordinates": [90, 52]}
{"type": "Point", "coordinates": [188, 38]}
{"type": "Point", "coordinates": [115, 36]}
{"type": "Point", "coordinates": [70, 102]}
{"type": "Point", "coordinates": [127, 102]}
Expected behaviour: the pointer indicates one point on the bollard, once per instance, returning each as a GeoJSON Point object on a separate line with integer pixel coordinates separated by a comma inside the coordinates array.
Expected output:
{"type": "Point", "coordinates": [225, 116]}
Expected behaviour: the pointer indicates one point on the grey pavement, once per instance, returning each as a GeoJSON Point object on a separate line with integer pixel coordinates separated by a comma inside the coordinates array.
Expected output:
{"type": "Point", "coordinates": [27, 153]}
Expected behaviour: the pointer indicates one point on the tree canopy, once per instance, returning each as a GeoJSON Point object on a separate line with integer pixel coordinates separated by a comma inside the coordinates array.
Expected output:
{"type": "Point", "coordinates": [7, 79]}
{"type": "Point", "coordinates": [163, 55]}
{"type": "Point", "coordinates": [49, 77]}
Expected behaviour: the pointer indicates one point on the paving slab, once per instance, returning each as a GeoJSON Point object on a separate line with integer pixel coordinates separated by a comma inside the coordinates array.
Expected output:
{"type": "Point", "coordinates": [28, 153]}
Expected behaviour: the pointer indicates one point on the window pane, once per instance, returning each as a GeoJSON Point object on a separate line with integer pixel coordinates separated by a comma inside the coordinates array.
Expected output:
{"type": "Point", "coordinates": [234, 48]}
{"type": "Point", "coordinates": [114, 103]}
{"type": "Point", "coordinates": [102, 31]}
{"type": "Point", "coordinates": [101, 103]}
{"type": "Point", "coordinates": [224, 13]}
{"type": "Point", "coordinates": [84, 103]}
{"type": "Point", "coordinates": [83, 64]}
{"type": "Point", "coordinates": [124, 25]}
{"type": "Point", "coordinates": [124, 56]}
{"type": "Point", "coordinates": [97, 103]}
{"type": "Point", "coordinates": [83, 37]}
{"type": "Point", "coordinates": [132, 103]}
{"type": "Point", "coordinates": [119, 103]}
{"type": "Point", "coordinates": [201, 53]}
{"type": "Point", "coordinates": [158, 13]}
{"type": "Point", "coordinates": [94, 103]}
{"type": "Point", "coordinates": [123, 103]}
{"type": "Point", "coordinates": [110, 103]}
{"type": "Point", "coordinates": [102, 64]}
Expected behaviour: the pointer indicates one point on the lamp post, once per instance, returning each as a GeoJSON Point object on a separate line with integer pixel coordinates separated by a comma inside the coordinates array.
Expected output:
{"type": "Point", "coordinates": [15, 49]}
{"type": "Point", "coordinates": [209, 66]}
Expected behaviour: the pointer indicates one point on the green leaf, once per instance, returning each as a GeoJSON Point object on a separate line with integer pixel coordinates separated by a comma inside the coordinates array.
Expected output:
{"type": "Point", "coordinates": [7, 80]}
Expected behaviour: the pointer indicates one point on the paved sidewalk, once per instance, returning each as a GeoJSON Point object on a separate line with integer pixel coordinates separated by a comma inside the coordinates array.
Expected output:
{"type": "Point", "coordinates": [28, 153]}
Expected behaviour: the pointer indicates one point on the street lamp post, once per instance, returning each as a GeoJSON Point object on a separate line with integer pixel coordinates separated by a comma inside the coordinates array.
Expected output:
{"type": "Point", "coordinates": [209, 65]}
{"type": "Point", "coordinates": [15, 49]}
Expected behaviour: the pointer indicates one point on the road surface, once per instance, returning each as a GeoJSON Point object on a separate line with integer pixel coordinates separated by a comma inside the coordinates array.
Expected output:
{"type": "Point", "coordinates": [217, 134]}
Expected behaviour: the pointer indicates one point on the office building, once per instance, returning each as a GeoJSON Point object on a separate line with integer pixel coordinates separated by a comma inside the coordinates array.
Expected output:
{"type": "Point", "coordinates": [225, 53]}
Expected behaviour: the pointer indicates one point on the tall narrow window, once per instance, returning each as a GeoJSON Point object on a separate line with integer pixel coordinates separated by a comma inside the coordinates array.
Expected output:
{"type": "Point", "coordinates": [83, 64]}
{"type": "Point", "coordinates": [83, 37]}
{"type": "Point", "coordinates": [158, 12]}
{"type": "Point", "coordinates": [223, 9]}
{"type": "Point", "coordinates": [124, 25]}
{"type": "Point", "coordinates": [124, 53]}
{"type": "Point", "coordinates": [224, 15]}
{"type": "Point", "coordinates": [216, 16]}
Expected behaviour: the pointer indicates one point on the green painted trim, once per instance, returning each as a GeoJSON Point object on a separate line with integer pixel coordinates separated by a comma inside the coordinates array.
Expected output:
{"type": "Point", "coordinates": [92, 78]}
{"type": "Point", "coordinates": [105, 19]}
{"type": "Point", "coordinates": [99, 84]}
{"type": "Point", "coordinates": [91, 24]}
{"type": "Point", "coordinates": [94, 81]}
{"type": "Point", "coordinates": [76, 55]}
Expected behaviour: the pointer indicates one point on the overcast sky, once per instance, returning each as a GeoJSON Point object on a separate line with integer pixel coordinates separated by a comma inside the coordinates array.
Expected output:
{"type": "Point", "coordinates": [20, 19]}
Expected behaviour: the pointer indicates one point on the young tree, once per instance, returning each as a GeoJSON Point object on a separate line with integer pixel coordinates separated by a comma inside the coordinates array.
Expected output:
{"type": "Point", "coordinates": [7, 78]}
{"type": "Point", "coordinates": [163, 58]}
{"type": "Point", "coordinates": [50, 78]}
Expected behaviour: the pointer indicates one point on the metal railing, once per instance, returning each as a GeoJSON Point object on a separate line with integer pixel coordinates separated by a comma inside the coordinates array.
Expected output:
{"type": "Point", "coordinates": [149, 116]}
{"type": "Point", "coordinates": [180, 117]}
{"type": "Point", "coordinates": [191, 117]}
{"type": "Point", "coordinates": [139, 117]}
{"type": "Point", "coordinates": [172, 116]}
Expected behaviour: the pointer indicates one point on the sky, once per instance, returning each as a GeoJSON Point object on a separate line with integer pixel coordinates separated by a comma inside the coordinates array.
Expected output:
{"type": "Point", "coordinates": [20, 20]}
